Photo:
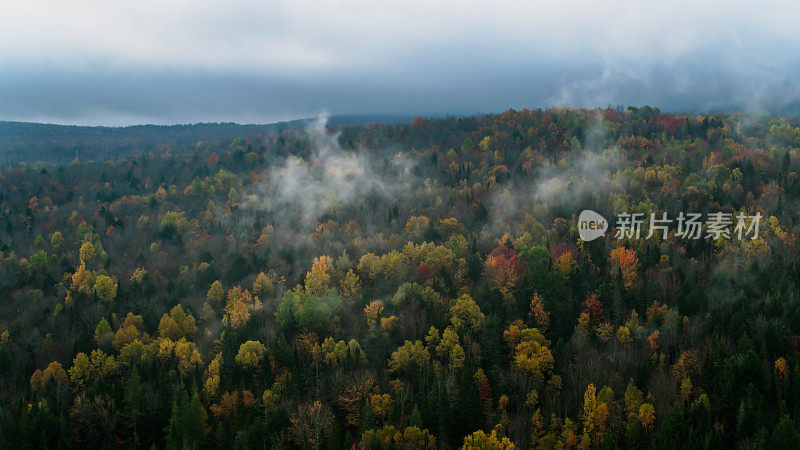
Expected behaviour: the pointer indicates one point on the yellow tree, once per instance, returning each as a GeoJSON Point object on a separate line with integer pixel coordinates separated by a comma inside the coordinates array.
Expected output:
{"type": "Point", "coordinates": [390, 437]}
{"type": "Point", "coordinates": [80, 280]}
{"type": "Point", "coordinates": [647, 415]}
{"type": "Point", "coordinates": [532, 354]}
{"type": "Point", "coordinates": [187, 355]}
{"type": "Point", "coordinates": [416, 226]}
{"type": "Point", "coordinates": [482, 441]}
{"type": "Point", "coordinates": [369, 265]}
{"type": "Point", "coordinates": [128, 331]}
{"type": "Point", "coordinates": [216, 293]}
{"type": "Point", "coordinates": [86, 252]}
{"type": "Point", "coordinates": [250, 354]}
{"type": "Point", "coordinates": [237, 308]}
{"type": "Point", "coordinates": [350, 285]}
{"type": "Point", "coordinates": [236, 313]}
{"type": "Point", "coordinates": [211, 385]}
{"type": "Point", "coordinates": [540, 315]}
{"type": "Point", "coordinates": [595, 415]}
{"type": "Point", "coordinates": [262, 284]}
{"type": "Point", "coordinates": [466, 313]}
{"type": "Point", "coordinates": [81, 370]}
{"type": "Point", "coordinates": [394, 265]}
{"type": "Point", "coordinates": [449, 349]}
{"type": "Point", "coordinates": [381, 405]}
{"type": "Point", "coordinates": [318, 279]}
{"type": "Point", "coordinates": [270, 398]}
{"type": "Point", "coordinates": [177, 324]}
{"type": "Point", "coordinates": [105, 288]}
{"type": "Point", "coordinates": [373, 311]}
{"type": "Point", "coordinates": [409, 356]}
{"type": "Point", "coordinates": [53, 372]}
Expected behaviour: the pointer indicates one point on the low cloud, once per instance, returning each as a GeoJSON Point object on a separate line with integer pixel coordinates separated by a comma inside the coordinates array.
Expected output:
{"type": "Point", "coordinates": [251, 61]}
{"type": "Point", "coordinates": [296, 193]}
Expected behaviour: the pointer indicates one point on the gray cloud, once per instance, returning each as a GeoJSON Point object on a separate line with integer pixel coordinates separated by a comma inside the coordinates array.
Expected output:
{"type": "Point", "coordinates": [95, 62]}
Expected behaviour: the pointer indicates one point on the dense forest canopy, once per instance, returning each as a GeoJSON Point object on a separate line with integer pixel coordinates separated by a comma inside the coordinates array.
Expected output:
{"type": "Point", "coordinates": [411, 285]}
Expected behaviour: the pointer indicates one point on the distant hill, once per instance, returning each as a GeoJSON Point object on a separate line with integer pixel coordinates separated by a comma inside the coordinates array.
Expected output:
{"type": "Point", "coordinates": [26, 141]}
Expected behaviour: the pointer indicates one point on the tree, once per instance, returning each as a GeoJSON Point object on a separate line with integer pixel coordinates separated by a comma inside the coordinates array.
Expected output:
{"type": "Point", "coordinates": [482, 441]}
{"type": "Point", "coordinates": [186, 428]}
{"type": "Point", "coordinates": [450, 350]}
{"type": "Point", "coordinates": [531, 352]}
{"type": "Point", "coordinates": [128, 331]}
{"type": "Point", "coordinates": [566, 264]}
{"type": "Point", "coordinates": [86, 252]}
{"type": "Point", "coordinates": [504, 268]}
{"type": "Point", "coordinates": [373, 311]}
{"type": "Point", "coordinates": [261, 286]}
{"type": "Point", "coordinates": [56, 239]}
{"type": "Point", "coordinates": [105, 288]}
{"type": "Point", "coordinates": [177, 324]}
{"type": "Point", "coordinates": [647, 415]}
{"type": "Point", "coordinates": [102, 333]}
{"type": "Point", "coordinates": [216, 293]}
{"type": "Point", "coordinates": [394, 266]}
{"type": "Point", "coordinates": [540, 315]}
{"type": "Point", "coordinates": [785, 434]}
{"type": "Point", "coordinates": [416, 226]}
{"type": "Point", "coordinates": [369, 265]}
{"type": "Point", "coordinates": [390, 437]}
{"type": "Point", "coordinates": [80, 280]}
{"type": "Point", "coordinates": [52, 373]}
{"type": "Point", "coordinates": [133, 398]}
{"type": "Point", "coordinates": [633, 398]}
{"type": "Point", "coordinates": [593, 308]}
{"type": "Point", "coordinates": [211, 385]}
{"type": "Point", "coordinates": [238, 306]}
{"type": "Point", "coordinates": [187, 355]}
{"type": "Point", "coordinates": [250, 354]}
{"type": "Point", "coordinates": [319, 277]}
{"type": "Point", "coordinates": [409, 356]}
{"type": "Point", "coordinates": [350, 286]}
{"type": "Point", "coordinates": [624, 335]}
{"type": "Point", "coordinates": [311, 425]}
{"type": "Point", "coordinates": [466, 313]}
{"type": "Point", "coordinates": [595, 415]}
{"type": "Point", "coordinates": [624, 261]}
{"type": "Point", "coordinates": [381, 405]}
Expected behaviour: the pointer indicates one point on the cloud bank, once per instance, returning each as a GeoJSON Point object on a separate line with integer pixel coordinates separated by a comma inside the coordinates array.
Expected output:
{"type": "Point", "coordinates": [93, 62]}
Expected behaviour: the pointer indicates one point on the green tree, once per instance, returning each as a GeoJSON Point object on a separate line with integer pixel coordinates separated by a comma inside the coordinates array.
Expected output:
{"type": "Point", "coordinates": [186, 429]}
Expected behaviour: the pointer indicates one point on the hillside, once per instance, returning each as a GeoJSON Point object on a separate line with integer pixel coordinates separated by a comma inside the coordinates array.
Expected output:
{"type": "Point", "coordinates": [421, 284]}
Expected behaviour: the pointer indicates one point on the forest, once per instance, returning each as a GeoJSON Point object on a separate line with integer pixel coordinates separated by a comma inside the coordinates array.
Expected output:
{"type": "Point", "coordinates": [420, 284]}
{"type": "Point", "coordinates": [31, 142]}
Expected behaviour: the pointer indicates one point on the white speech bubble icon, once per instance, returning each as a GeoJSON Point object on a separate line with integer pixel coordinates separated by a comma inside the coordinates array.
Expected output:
{"type": "Point", "coordinates": [591, 225]}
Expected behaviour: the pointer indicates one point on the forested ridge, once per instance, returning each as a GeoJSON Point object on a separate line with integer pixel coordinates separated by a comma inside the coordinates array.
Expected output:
{"type": "Point", "coordinates": [417, 285]}
{"type": "Point", "coordinates": [29, 142]}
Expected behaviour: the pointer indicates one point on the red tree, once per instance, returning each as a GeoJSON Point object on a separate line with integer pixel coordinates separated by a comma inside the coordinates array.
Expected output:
{"type": "Point", "coordinates": [594, 308]}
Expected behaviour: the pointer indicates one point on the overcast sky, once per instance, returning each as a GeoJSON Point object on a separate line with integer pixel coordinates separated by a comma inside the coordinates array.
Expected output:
{"type": "Point", "coordinates": [178, 61]}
